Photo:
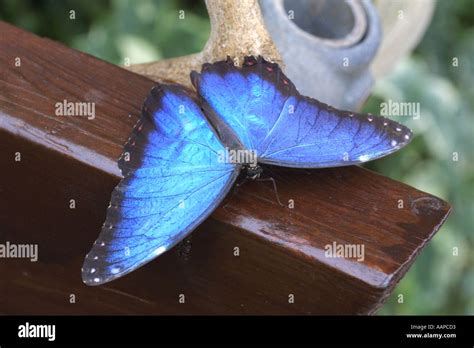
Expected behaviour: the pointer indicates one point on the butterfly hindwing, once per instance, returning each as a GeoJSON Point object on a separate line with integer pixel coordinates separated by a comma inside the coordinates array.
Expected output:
{"type": "Point", "coordinates": [268, 115]}
{"type": "Point", "coordinates": [173, 179]}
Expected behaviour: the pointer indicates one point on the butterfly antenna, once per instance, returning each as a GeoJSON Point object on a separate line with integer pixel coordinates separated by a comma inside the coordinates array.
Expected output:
{"type": "Point", "coordinates": [274, 188]}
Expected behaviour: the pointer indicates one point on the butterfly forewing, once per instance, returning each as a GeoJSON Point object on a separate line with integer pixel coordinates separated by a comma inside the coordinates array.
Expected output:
{"type": "Point", "coordinates": [270, 116]}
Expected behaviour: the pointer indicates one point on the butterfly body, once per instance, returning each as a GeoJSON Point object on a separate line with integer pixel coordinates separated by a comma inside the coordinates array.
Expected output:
{"type": "Point", "coordinates": [253, 172]}
{"type": "Point", "coordinates": [186, 152]}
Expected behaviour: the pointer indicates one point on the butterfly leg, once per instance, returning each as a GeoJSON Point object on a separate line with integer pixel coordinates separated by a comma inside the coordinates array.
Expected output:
{"type": "Point", "coordinates": [243, 179]}
{"type": "Point", "coordinates": [274, 188]}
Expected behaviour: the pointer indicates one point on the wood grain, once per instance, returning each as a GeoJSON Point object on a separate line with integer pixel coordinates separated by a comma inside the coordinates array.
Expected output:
{"type": "Point", "coordinates": [281, 249]}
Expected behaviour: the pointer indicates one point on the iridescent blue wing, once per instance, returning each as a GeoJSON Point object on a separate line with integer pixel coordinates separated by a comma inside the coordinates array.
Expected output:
{"type": "Point", "coordinates": [268, 115]}
{"type": "Point", "coordinates": [173, 179]}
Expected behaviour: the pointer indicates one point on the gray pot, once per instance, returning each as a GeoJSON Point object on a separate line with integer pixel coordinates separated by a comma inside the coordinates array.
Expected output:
{"type": "Point", "coordinates": [327, 46]}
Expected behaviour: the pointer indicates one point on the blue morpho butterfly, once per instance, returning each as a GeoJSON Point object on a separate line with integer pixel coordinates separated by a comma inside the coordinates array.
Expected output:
{"type": "Point", "coordinates": [174, 175]}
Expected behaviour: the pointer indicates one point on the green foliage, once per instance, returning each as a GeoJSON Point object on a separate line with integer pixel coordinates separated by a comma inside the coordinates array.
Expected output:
{"type": "Point", "coordinates": [113, 30]}
{"type": "Point", "coordinates": [438, 282]}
